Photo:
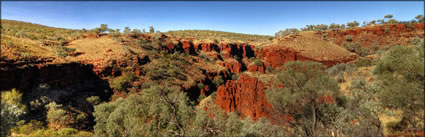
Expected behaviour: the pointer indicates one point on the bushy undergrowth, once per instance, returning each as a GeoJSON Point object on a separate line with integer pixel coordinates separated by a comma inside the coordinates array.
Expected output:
{"type": "Point", "coordinates": [218, 35]}
{"type": "Point", "coordinates": [42, 33]}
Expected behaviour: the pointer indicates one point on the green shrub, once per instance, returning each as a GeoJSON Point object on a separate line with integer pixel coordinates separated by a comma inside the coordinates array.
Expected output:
{"type": "Point", "coordinates": [84, 134]}
{"type": "Point", "coordinates": [58, 116]}
{"type": "Point", "coordinates": [201, 97]}
{"type": "Point", "coordinates": [45, 133]}
{"type": "Point", "coordinates": [28, 128]}
{"type": "Point", "coordinates": [400, 74]}
{"type": "Point", "coordinates": [364, 62]}
{"type": "Point", "coordinates": [395, 126]}
{"type": "Point", "coordinates": [66, 132]}
{"type": "Point", "coordinates": [349, 38]}
{"type": "Point", "coordinates": [269, 68]}
{"type": "Point", "coordinates": [235, 77]}
{"type": "Point", "coordinates": [236, 57]}
{"type": "Point", "coordinates": [291, 31]}
{"type": "Point", "coordinates": [201, 85]}
{"type": "Point", "coordinates": [94, 100]}
{"type": "Point", "coordinates": [11, 110]}
{"type": "Point", "coordinates": [62, 51]}
{"type": "Point", "coordinates": [357, 48]}
{"type": "Point", "coordinates": [303, 87]}
{"type": "Point", "coordinates": [218, 80]}
{"type": "Point", "coordinates": [123, 82]}
{"type": "Point", "coordinates": [258, 62]}
{"type": "Point", "coordinates": [337, 71]}
{"type": "Point", "coordinates": [158, 111]}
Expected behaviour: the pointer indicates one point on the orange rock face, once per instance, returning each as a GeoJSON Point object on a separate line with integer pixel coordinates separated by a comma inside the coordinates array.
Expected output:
{"type": "Point", "coordinates": [246, 95]}
{"type": "Point", "coordinates": [234, 66]}
{"type": "Point", "coordinates": [240, 50]}
{"type": "Point", "coordinates": [277, 57]}
{"type": "Point", "coordinates": [255, 68]}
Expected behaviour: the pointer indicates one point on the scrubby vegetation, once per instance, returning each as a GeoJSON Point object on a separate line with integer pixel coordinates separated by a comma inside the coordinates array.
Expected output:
{"type": "Point", "coordinates": [161, 88]}
{"type": "Point", "coordinates": [219, 36]}
{"type": "Point", "coordinates": [46, 35]}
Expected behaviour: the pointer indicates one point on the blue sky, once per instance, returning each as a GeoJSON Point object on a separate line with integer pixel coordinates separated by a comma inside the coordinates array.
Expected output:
{"type": "Point", "coordinates": [252, 17]}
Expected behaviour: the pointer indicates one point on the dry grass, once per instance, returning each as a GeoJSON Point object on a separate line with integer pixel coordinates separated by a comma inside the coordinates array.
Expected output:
{"type": "Point", "coordinates": [362, 72]}
{"type": "Point", "coordinates": [97, 51]}
{"type": "Point", "coordinates": [311, 45]}
{"type": "Point", "coordinates": [23, 47]}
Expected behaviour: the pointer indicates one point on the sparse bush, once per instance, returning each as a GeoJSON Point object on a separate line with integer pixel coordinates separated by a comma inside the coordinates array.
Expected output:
{"type": "Point", "coordinates": [63, 132]}
{"type": "Point", "coordinates": [11, 110]}
{"type": "Point", "coordinates": [135, 33]}
{"type": "Point", "coordinates": [201, 97]}
{"type": "Point", "coordinates": [62, 51]}
{"type": "Point", "coordinates": [161, 111]}
{"type": "Point", "coordinates": [200, 86]}
{"type": "Point", "coordinates": [84, 134]}
{"type": "Point", "coordinates": [66, 132]}
{"type": "Point", "coordinates": [45, 133]}
{"type": "Point", "coordinates": [303, 88]}
{"type": "Point", "coordinates": [56, 115]}
{"type": "Point", "coordinates": [126, 31]}
{"type": "Point", "coordinates": [115, 33]}
{"type": "Point", "coordinates": [236, 58]}
{"type": "Point", "coordinates": [151, 29]}
{"type": "Point", "coordinates": [353, 24]}
{"type": "Point", "coordinates": [94, 100]}
{"type": "Point", "coordinates": [337, 71]}
{"type": "Point", "coordinates": [388, 16]}
{"type": "Point", "coordinates": [123, 82]}
{"type": "Point", "coordinates": [103, 27]}
{"type": "Point", "coordinates": [349, 38]}
{"type": "Point", "coordinates": [235, 77]}
{"type": "Point", "coordinates": [364, 62]}
{"type": "Point", "coordinates": [400, 74]}
{"type": "Point", "coordinates": [395, 126]}
{"type": "Point", "coordinates": [269, 68]}
{"type": "Point", "coordinates": [258, 62]}
{"type": "Point", "coordinates": [28, 128]}
{"type": "Point", "coordinates": [420, 18]}
{"type": "Point", "coordinates": [292, 31]}
{"type": "Point", "coordinates": [357, 48]}
{"type": "Point", "coordinates": [218, 81]}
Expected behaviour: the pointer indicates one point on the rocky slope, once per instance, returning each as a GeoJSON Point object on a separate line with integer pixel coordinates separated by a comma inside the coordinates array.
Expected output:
{"type": "Point", "coordinates": [98, 60]}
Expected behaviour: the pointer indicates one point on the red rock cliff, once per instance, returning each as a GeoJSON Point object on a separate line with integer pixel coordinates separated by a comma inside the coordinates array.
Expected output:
{"type": "Point", "coordinates": [246, 95]}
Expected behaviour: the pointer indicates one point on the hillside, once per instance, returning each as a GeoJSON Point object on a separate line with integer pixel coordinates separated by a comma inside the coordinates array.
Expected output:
{"type": "Point", "coordinates": [216, 36]}
{"type": "Point", "coordinates": [192, 82]}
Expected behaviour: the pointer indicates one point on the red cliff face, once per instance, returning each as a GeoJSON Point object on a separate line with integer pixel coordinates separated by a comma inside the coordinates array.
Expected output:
{"type": "Point", "coordinates": [240, 50]}
{"type": "Point", "coordinates": [206, 47]}
{"type": "Point", "coordinates": [232, 66]}
{"type": "Point", "coordinates": [254, 68]}
{"type": "Point", "coordinates": [246, 95]}
{"type": "Point", "coordinates": [277, 57]}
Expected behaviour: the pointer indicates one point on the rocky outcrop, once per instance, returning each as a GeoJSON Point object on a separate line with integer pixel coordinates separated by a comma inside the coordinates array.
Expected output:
{"type": "Point", "coordinates": [246, 95]}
